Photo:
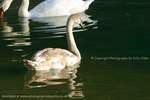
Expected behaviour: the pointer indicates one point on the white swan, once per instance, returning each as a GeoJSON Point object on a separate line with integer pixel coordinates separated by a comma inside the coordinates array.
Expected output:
{"type": "Point", "coordinates": [49, 8]}
{"type": "Point", "coordinates": [56, 58]}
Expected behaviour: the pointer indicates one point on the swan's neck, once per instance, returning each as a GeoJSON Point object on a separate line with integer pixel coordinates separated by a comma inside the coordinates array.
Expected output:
{"type": "Point", "coordinates": [23, 10]}
{"type": "Point", "coordinates": [70, 39]}
{"type": "Point", "coordinates": [6, 4]}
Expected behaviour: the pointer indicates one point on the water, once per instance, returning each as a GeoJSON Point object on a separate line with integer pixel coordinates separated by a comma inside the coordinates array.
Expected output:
{"type": "Point", "coordinates": [114, 46]}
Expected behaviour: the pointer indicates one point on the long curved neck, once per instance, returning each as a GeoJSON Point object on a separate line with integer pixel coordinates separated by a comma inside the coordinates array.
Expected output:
{"type": "Point", "coordinates": [70, 39]}
{"type": "Point", "coordinates": [23, 10]}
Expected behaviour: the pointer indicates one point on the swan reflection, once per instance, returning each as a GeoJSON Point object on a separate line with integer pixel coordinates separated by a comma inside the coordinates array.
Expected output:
{"type": "Point", "coordinates": [56, 25]}
{"type": "Point", "coordinates": [60, 21]}
{"type": "Point", "coordinates": [67, 77]}
{"type": "Point", "coordinates": [4, 27]}
{"type": "Point", "coordinates": [16, 38]}
{"type": "Point", "coordinates": [19, 34]}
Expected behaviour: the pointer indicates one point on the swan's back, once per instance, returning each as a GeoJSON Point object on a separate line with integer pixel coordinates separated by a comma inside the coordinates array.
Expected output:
{"type": "Point", "coordinates": [50, 8]}
{"type": "Point", "coordinates": [55, 58]}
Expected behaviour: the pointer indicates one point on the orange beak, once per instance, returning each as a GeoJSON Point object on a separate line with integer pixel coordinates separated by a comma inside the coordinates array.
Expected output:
{"type": "Point", "coordinates": [1, 12]}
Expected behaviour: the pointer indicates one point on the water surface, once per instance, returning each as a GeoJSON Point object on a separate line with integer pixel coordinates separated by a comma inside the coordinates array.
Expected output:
{"type": "Point", "coordinates": [114, 46]}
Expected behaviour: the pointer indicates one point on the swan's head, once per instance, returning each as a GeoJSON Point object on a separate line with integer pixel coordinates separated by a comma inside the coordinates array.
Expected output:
{"type": "Point", "coordinates": [5, 4]}
{"type": "Point", "coordinates": [77, 18]}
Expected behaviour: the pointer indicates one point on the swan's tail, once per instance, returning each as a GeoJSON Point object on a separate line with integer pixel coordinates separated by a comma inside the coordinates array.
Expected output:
{"type": "Point", "coordinates": [88, 2]}
{"type": "Point", "coordinates": [29, 64]}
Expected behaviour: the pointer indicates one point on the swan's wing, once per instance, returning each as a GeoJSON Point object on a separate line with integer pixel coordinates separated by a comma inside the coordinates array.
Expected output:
{"type": "Point", "coordinates": [76, 6]}
{"type": "Point", "coordinates": [49, 8]}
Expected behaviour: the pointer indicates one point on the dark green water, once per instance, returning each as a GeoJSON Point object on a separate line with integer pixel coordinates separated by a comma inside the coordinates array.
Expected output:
{"type": "Point", "coordinates": [114, 48]}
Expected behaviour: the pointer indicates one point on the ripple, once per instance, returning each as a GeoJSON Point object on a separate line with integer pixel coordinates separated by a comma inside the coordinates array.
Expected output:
{"type": "Point", "coordinates": [19, 43]}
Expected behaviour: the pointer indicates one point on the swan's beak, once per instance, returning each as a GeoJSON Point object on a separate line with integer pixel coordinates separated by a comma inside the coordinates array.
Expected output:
{"type": "Point", "coordinates": [1, 12]}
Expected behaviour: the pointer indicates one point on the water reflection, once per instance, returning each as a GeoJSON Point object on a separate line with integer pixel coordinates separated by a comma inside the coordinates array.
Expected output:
{"type": "Point", "coordinates": [16, 38]}
{"type": "Point", "coordinates": [19, 34]}
{"type": "Point", "coordinates": [68, 77]}
{"type": "Point", "coordinates": [56, 25]}
{"type": "Point", "coordinates": [60, 20]}
{"type": "Point", "coordinates": [5, 28]}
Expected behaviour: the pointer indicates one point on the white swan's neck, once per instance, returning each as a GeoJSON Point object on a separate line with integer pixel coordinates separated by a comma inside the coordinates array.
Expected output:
{"type": "Point", "coordinates": [23, 10]}
{"type": "Point", "coordinates": [70, 39]}
{"type": "Point", "coordinates": [5, 4]}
